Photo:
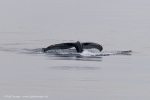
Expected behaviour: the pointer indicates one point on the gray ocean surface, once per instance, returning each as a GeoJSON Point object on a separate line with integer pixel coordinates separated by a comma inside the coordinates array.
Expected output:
{"type": "Point", "coordinates": [118, 25]}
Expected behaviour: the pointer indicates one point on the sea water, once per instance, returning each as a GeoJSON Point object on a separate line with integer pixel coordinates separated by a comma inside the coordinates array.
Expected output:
{"type": "Point", "coordinates": [26, 73]}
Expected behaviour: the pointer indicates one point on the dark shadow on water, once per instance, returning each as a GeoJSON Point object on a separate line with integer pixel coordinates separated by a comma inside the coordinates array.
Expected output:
{"type": "Point", "coordinates": [73, 68]}
{"type": "Point", "coordinates": [9, 49]}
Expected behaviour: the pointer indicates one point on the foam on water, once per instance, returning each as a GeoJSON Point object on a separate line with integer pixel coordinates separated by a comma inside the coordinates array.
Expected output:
{"type": "Point", "coordinates": [105, 53]}
{"type": "Point", "coordinates": [87, 53]}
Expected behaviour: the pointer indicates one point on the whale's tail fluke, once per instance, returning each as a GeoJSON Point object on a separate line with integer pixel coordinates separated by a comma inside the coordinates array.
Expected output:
{"type": "Point", "coordinates": [79, 46]}
{"type": "Point", "coordinates": [59, 46]}
{"type": "Point", "coordinates": [90, 45]}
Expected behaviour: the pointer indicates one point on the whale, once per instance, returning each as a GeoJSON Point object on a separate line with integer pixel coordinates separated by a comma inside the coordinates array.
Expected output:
{"type": "Point", "coordinates": [78, 45]}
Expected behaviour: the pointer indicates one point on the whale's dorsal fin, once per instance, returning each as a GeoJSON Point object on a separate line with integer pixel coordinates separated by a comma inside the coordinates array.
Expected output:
{"type": "Point", "coordinates": [59, 46]}
{"type": "Point", "coordinates": [90, 45]}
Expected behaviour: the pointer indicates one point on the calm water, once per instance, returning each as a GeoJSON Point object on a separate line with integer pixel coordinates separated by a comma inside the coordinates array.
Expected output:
{"type": "Point", "coordinates": [27, 26]}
